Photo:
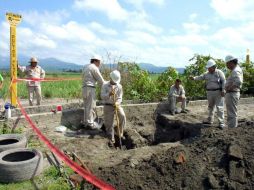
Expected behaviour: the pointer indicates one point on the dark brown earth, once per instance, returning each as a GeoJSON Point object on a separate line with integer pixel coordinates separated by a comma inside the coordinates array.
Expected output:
{"type": "Point", "coordinates": [171, 152]}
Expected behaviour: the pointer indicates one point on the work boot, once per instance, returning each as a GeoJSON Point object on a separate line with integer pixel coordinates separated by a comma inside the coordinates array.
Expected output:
{"type": "Point", "coordinates": [184, 111]}
{"type": "Point", "coordinates": [207, 122]}
{"type": "Point", "coordinates": [172, 113]}
{"type": "Point", "coordinates": [222, 126]}
{"type": "Point", "coordinates": [111, 143]}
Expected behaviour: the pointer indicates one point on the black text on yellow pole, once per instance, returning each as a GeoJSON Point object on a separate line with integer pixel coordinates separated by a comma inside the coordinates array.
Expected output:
{"type": "Point", "coordinates": [14, 20]}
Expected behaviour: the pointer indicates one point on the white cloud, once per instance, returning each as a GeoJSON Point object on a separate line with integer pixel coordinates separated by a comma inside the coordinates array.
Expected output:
{"type": "Point", "coordinates": [110, 7]}
{"type": "Point", "coordinates": [193, 16]}
{"type": "Point", "coordinates": [139, 21]}
{"type": "Point", "coordinates": [193, 27]}
{"type": "Point", "coordinates": [140, 3]}
{"type": "Point", "coordinates": [234, 9]}
{"type": "Point", "coordinates": [142, 38]}
{"type": "Point", "coordinates": [35, 18]}
{"type": "Point", "coordinates": [190, 40]}
{"type": "Point", "coordinates": [102, 29]}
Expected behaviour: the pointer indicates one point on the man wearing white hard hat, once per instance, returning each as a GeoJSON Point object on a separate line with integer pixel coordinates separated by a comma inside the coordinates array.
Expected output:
{"type": "Point", "coordinates": [233, 86]}
{"type": "Point", "coordinates": [111, 95]}
{"type": "Point", "coordinates": [215, 90]}
{"type": "Point", "coordinates": [34, 87]}
{"type": "Point", "coordinates": [91, 75]}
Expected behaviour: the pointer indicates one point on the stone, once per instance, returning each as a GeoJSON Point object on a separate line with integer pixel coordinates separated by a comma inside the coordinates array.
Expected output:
{"type": "Point", "coordinates": [235, 152]}
{"type": "Point", "coordinates": [180, 158]}
{"type": "Point", "coordinates": [213, 182]}
{"type": "Point", "coordinates": [236, 172]}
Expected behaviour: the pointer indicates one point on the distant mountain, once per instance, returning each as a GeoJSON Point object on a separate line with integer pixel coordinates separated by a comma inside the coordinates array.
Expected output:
{"type": "Point", "coordinates": [55, 65]}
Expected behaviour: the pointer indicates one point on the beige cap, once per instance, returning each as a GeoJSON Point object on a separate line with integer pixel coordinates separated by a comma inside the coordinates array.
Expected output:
{"type": "Point", "coordinates": [33, 60]}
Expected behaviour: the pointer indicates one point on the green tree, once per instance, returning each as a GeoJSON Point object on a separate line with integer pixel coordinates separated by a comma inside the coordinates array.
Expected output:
{"type": "Point", "coordinates": [166, 80]}
{"type": "Point", "coordinates": [248, 78]}
{"type": "Point", "coordinates": [137, 83]}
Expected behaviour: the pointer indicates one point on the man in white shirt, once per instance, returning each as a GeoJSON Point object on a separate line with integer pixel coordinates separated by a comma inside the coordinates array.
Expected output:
{"type": "Point", "coordinates": [91, 75]}
{"type": "Point", "coordinates": [176, 94]}
{"type": "Point", "coordinates": [233, 85]}
{"type": "Point", "coordinates": [111, 95]}
{"type": "Point", "coordinates": [215, 90]}
{"type": "Point", "coordinates": [33, 71]}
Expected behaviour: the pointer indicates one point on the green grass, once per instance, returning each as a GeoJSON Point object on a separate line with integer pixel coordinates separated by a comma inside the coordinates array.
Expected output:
{"type": "Point", "coordinates": [49, 180]}
{"type": "Point", "coordinates": [154, 76]}
{"type": "Point", "coordinates": [58, 89]}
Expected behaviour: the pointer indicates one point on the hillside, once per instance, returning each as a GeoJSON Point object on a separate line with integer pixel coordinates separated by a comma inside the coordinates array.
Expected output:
{"type": "Point", "coordinates": [55, 65]}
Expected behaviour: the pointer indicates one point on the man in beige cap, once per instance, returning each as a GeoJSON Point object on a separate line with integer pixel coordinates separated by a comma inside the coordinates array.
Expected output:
{"type": "Point", "coordinates": [215, 89]}
{"type": "Point", "coordinates": [233, 85]}
{"type": "Point", "coordinates": [111, 95]}
{"type": "Point", "coordinates": [33, 71]}
{"type": "Point", "coordinates": [91, 75]}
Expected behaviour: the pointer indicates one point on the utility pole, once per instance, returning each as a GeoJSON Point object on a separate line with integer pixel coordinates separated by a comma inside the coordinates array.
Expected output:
{"type": "Point", "coordinates": [248, 57]}
{"type": "Point", "coordinates": [14, 20]}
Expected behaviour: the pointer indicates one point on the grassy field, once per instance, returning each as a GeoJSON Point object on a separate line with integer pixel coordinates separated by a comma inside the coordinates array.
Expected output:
{"type": "Point", "coordinates": [57, 89]}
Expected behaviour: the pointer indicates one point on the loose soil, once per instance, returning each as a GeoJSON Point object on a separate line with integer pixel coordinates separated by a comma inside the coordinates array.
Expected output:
{"type": "Point", "coordinates": [170, 152]}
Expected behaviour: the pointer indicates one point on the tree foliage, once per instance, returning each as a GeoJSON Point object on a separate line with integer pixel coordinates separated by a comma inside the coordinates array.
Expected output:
{"type": "Point", "coordinates": [137, 83]}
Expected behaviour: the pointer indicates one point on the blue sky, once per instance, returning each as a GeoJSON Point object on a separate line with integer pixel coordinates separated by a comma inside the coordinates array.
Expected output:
{"type": "Point", "coordinates": [161, 32]}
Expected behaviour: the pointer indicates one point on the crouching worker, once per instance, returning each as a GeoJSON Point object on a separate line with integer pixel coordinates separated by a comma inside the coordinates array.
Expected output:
{"type": "Point", "coordinates": [111, 95]}
{"type": "Point", "coordinates": [176, 94]}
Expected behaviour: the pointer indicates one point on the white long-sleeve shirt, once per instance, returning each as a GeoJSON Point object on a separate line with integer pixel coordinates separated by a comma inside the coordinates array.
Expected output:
{"type": "Point", "coordinates": [235, 80]}
{"type": "Point", "coordinates": [107, 88]}
{"type": "Point", "coordinates": [215, 80]}
{"type": "Point", "coordinates": [33, 72]}
{"type": "Point", "coordinates": [176, 92]}
{"type": "Point", "coordinates": [92, 75]}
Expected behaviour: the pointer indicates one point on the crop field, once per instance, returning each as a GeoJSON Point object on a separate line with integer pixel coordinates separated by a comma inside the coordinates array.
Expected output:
{"type": "Point", "coordinates": [56, 89]}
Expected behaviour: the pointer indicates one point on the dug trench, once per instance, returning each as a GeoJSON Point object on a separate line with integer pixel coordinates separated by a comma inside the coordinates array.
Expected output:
{"type": "Point", "coordinates": [170, 152]}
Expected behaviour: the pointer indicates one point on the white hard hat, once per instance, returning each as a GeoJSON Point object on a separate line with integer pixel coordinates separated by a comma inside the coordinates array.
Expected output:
{"type": "Point", "coordinates": [230, 58]}
{"type": "Point", "coordinates": [97, 57]}
{"type": "Point", "coordinates": [33, 60]}
{"type": "Point", "coordinates": [210, 63]}
{"type": "Point", "coordinates": [115, 76]}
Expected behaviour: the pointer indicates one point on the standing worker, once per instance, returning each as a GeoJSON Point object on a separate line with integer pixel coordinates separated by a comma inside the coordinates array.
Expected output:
{"type": "Point", "coordinates": [33, 71]}
{"type": "Point", "coordinates": [91, 75]}
{"type": "Point", "coordinates": [111, 94]}
{"type": "Point", "coordinates": [233, 86]}
{"type": "Point", "coordinates": [215, 89]}
{"type": "Point", "coordinates": [176, 94]}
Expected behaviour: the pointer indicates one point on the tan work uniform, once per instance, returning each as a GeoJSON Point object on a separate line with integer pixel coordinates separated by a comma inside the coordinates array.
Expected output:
{"type": "Point", "coordinates": [91, 75]}
{"type": "Point", "coordinates": [173, 97]}
{"type": "Point", "coordinates": [233, 86]}
{"type": "Point", "coordinates": [33, 86]}
{"type": "Point", "coordinates": [109, 109]}
{"type": "Point", "coordinates": [215, 84]}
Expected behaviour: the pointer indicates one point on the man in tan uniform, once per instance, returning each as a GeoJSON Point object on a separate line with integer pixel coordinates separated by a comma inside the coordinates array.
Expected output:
{"type": "Point", "coordinates": [215, 89]}
{"type": "Point", "coordinates": [176, 94]}
{"type": "Point", "coordinates": [33, 71]}
{"type": "Point", "coordinates": [91, 75]}
{"type": "Point", "coordinates": [111, 94]}
{"type": "Point", "coordinates": [233, 86]}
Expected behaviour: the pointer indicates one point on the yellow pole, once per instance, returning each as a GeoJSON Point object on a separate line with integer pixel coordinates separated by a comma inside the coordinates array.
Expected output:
{"type": "Point", "coordinates": [14, 20]}
{"type": "Point", "coordinates": [248, 56]}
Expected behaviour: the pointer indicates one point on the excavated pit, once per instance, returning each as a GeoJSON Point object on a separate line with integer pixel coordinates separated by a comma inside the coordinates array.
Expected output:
{"type": "Point", "coordinates": [162, 131]}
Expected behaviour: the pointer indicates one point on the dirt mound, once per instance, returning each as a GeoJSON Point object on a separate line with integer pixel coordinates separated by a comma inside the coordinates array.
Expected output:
{"type": "Point", "coordinates": [216, 159]}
